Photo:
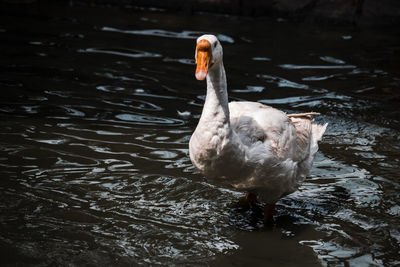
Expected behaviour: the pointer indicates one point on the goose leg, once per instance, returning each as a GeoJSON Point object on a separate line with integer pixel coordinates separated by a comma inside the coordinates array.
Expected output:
{"type": "Point", "coordinates": [269, 210]}
{"type": "Point", "coordinates": [251, 198]}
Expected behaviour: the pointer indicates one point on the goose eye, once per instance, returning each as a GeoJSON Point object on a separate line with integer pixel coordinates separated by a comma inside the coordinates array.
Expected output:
{"type": "Point", "coordinates": [215, 45]}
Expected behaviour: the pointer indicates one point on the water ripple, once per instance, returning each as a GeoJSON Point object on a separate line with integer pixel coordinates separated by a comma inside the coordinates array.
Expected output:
{"type": "Point", "coordinates": [120, 52]}
{"type": "Point", "coordinates": [281, 82]}
{"type": "Point", "coordinates": [148, 120]}
{"type": "Point", "coordinates": [327, 67]}
{"type": "Point", "coordinates": [332, 60]}
{"type": "Point", "coordinates": [170, 34]}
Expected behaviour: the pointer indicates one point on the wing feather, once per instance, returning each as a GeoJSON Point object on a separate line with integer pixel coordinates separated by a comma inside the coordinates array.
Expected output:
{"type": "Point", "coordinates": [303, 126]}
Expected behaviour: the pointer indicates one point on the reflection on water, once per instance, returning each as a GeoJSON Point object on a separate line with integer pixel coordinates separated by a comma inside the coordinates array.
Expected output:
{"type": "Point", "coordinates": [96, 116]}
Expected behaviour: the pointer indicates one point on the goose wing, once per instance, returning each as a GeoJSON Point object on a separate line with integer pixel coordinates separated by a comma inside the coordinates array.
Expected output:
{"type": "Point", "coordinates": [258, 124]}
{"type": "Point", "coordinates": [291, 136]}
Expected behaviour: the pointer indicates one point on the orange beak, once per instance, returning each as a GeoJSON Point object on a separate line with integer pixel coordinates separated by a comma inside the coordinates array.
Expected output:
{"type": "Point", "coordinates": [203, 59]}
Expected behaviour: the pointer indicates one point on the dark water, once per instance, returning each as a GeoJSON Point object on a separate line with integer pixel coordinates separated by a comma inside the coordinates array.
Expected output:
{"type": "Point", "coordinates": [97, 107]}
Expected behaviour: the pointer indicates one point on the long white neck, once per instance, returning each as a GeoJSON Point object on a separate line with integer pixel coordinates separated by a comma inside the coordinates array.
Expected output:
{"type": "Point", "coordinates": [214, 144]}
{"type": "Point", "coordinates": [216, 104]}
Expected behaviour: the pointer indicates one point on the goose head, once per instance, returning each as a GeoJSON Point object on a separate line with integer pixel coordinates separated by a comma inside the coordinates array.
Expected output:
{"type": "Point", "coordinates": [208, 54]}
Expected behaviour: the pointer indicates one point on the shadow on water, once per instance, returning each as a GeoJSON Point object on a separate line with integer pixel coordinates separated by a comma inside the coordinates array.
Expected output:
{"type": "Point", "coordinates": [96, 115]}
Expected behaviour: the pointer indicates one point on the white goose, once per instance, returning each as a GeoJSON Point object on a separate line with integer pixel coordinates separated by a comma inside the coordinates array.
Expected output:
{"type": "Point", "coordinates": [248, 145]}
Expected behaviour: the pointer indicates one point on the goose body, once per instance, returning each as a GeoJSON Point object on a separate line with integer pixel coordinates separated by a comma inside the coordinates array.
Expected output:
{"type": "Point", "coordinates": [248, 145]}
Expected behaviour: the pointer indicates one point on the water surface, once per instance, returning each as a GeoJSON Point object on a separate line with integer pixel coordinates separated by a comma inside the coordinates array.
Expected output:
{"type": "Point", "coordinates": [97, 108]}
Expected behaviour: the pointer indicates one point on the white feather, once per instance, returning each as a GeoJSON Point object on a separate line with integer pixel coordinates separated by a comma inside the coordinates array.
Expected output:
{"type": "Point", "coordinates": [248, 145]}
